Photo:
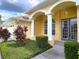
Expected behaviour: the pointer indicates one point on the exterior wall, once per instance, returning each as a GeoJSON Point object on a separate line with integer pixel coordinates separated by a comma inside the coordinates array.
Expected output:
{"type": "Point", "coordinates": [66, 13]}
{"type": "Point", "coordinates": [59, 16]}
{"type": "Point", "coordinates": [14, 24]}
{"type": "Point", "coordinates": [9, 23]}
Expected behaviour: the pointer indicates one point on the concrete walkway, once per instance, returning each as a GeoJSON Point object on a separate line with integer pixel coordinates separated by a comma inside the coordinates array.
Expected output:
{"type": "Point", "coordinates": [57, 52]}
{"type": "Point", "coordinates": [0, 56]}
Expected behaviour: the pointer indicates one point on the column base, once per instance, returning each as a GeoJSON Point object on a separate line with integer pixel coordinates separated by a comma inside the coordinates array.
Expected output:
{"type": "Point", "coordinates": [51, 41]}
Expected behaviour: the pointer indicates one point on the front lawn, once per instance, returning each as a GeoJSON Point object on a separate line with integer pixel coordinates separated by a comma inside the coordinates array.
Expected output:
{"type": "Point", "coordinates": [10, 50]}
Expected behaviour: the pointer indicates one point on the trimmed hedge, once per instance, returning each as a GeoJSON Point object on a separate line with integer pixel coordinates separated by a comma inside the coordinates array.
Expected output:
{"type": "Point", "coordinates": [71, 50]}
{"type": "Point", "coordinates": [42, 42]}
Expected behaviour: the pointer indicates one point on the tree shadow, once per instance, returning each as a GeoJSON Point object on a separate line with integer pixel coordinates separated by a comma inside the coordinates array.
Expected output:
{"type": "Point", "coordinates": [15, 44]}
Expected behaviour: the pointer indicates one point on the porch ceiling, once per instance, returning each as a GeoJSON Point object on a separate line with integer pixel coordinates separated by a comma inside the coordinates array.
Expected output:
{"type": "Point", "coordinates": [64, 6]}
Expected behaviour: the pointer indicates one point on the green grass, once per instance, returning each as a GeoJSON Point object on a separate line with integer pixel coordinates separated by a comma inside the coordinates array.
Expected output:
{"type": "Point", "coordinates": [10, 50]}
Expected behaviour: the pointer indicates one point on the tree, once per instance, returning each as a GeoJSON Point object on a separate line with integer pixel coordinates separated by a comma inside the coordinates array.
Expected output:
{"type": "Point", "coordinates": [1, 32]}
{"type": "Point", "coordinates": [4, 33]}
{"type": "Point", "coordinates": [20, 35]}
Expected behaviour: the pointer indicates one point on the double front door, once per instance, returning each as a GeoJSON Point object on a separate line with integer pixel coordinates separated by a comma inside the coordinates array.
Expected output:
{"type": "Point", "coordinates": [69, 29]}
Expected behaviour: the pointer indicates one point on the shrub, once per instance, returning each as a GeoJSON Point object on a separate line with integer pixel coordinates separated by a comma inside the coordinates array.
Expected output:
{"type": "Point", "coordinates": [20, 35]}
{"type": "Point", "coordinates": [1, 32]}
{"type": "Point", "coordinates": [71, 50]}
{"type": "Point", "coordinates": [5, 34]}
{"type": "Point", "coordinates": [42, 42]}
{"type": "Point", "coordinates": [25, 29]}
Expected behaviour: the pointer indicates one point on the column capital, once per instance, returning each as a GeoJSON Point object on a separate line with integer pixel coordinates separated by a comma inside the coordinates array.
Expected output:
{"type": "Point", "coordinates": [48, 13]}
{"type": "Point", "coordinates": [31, 18]}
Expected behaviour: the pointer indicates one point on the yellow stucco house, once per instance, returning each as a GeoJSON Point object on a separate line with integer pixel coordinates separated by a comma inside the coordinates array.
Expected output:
{"type": "Point", "coordinates": [57, 19]}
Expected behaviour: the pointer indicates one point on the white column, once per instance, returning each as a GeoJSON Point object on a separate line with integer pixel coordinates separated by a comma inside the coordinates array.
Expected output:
{"type": "Point", "coordinates": [77, 23]}
{"type": "Point", "coordinates": [49, 26]}
{"type": "Point", "coordinates": [32, 28]}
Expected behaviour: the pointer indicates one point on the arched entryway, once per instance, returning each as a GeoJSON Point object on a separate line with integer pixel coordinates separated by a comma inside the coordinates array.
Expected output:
{"type": "Point", "coordinates": [39, 22]}
{"type": "Point", "coordinates": [65, 12]}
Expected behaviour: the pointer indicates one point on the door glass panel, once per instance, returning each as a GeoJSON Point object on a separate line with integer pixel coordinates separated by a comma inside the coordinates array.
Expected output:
{"type": "Point", "coordinates": [69, 29]}
{"type": "Point", "coordinates": [73, 29]}
{"type": "Point", "coordinates": [65, 30]}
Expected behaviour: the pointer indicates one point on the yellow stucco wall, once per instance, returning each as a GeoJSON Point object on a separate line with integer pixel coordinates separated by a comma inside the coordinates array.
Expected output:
{"type": "Point", "coordinates": [59, 16]}
{"type": "Point", "coordinates": [65, 13]}
{"type": "Point", "coordinates": [39, 25]}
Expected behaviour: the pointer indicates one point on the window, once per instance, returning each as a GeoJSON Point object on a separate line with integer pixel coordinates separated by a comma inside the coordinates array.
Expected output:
{"type": "Point", "coordinates": [53, 27]}
{"type": "Point", "coordinates": [46, 27]}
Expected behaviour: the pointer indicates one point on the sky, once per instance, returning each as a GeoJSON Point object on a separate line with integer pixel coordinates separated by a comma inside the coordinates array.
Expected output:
{"type": "Point", "coordinates": [7, 14]}
{"type": "Point", "coordinates": [77, 2]}
{"type": "Point", "coordinates": [10, 8]}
